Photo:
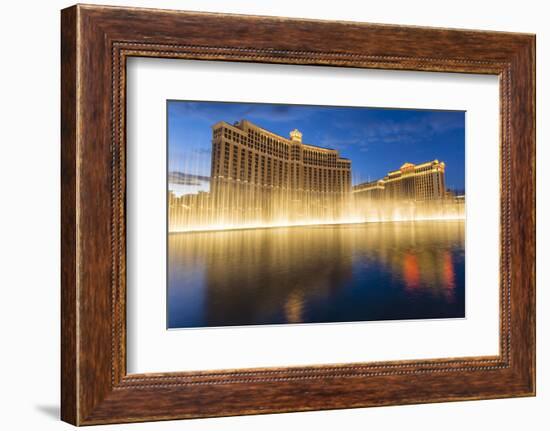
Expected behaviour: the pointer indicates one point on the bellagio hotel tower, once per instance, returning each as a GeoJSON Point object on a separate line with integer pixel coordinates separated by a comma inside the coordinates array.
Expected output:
{"type": "Point", "coordinates": [258, 176]}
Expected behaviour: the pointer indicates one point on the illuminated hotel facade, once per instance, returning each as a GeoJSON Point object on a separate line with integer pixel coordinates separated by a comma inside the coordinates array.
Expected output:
{"type": "Point", "coordinates": [261, 179]}
{"type": "Point", "coordinates": [419, 183]}
{"type": "Point", "coordinates": [257, 175]}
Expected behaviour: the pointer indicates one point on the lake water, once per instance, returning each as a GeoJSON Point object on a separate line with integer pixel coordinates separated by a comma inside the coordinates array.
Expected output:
{"type": "Point", "coordinates": [313, 274]}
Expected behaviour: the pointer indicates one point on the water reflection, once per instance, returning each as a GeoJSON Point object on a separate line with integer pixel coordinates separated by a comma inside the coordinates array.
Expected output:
{"type": "Point", "coordinates": [374, 271]}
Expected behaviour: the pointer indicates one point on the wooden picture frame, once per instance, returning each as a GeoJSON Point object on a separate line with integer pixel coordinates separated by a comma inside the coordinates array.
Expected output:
{"type": "Point", "coordinates": [95, 43]}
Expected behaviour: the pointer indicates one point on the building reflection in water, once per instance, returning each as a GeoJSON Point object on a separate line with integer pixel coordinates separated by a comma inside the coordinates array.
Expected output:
{"type": "Point", "coordinates": [312, 274]}
{"type": "Point", "coordinates": [411, 271]}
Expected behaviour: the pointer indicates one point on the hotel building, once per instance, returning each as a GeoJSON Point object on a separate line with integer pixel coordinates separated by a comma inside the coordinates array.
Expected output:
{"type": "Point", "coordinates": [257, 175]}
{"type": "Point", "coordinates": [423, 182]}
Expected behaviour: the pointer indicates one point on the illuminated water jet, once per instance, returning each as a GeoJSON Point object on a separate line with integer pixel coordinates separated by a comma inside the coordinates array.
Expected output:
{"type": "Point", "coordinates": [259, 179]}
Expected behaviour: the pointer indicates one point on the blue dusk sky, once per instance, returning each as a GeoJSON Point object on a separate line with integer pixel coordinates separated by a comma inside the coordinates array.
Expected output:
{"type": "Point", "coordinates": [377, 140]}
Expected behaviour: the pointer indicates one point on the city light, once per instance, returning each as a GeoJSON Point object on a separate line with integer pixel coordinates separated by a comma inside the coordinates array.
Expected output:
{"type": "Point", "coordinates": [262, 180]}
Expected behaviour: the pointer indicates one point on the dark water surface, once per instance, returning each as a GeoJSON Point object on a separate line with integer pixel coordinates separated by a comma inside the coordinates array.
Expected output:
{"type": "Point", "coordinates": [337, 273]}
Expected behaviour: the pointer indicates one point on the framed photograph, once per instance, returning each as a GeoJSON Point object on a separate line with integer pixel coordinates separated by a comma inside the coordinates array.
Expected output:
{"type": "Point", "coordinates": [264, 215]}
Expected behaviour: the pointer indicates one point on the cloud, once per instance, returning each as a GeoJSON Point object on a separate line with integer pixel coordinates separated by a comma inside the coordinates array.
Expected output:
{"type": "Point", "coordinates": [413, 130]}
{"type": "Point", "coordinates": [339, 143]}
{"type": "Point", "coordinates": [277, 113]}
{"type": "Point", "coordinates": [186, 179]}
{"type": "Point", "coordinates": [213, 112]}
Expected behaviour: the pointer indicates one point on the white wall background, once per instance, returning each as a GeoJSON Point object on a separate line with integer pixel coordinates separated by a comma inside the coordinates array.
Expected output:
{"type": "Point", "coordinates": [29, 224]}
